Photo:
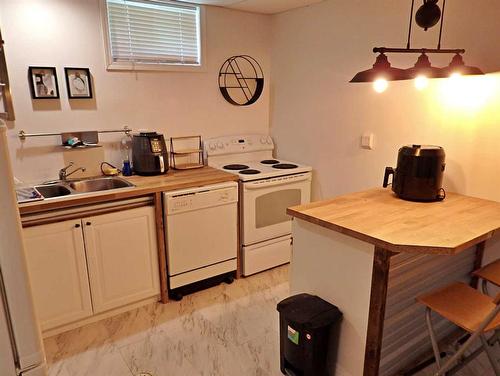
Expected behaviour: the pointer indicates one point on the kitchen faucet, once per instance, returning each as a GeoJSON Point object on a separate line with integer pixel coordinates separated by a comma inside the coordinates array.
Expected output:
{"type": "Point", "coordinates": [63, 175]}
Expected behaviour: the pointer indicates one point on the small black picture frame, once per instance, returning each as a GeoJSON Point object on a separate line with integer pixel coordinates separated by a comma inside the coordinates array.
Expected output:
{"type": "Point", "coordinates": [43, 82]}
{"type": "Point", "coordinates": [78, 83]}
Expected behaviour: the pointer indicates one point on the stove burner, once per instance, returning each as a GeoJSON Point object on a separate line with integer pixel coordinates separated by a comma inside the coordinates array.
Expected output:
{"type": "Point", "coordinates": [250, 172]}
{"type": "Point", "coordinates": [235, 167]}
{"type": "Point", "coordinates": [285, 166]}
{"type": "Point", "coordinates": [270, 161]}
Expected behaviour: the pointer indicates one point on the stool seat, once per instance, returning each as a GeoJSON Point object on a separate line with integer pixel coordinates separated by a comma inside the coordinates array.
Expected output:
{"type": "Point", "coordinates": [490, 272]}
{"type": "Point", "coordinates": [462, 305]}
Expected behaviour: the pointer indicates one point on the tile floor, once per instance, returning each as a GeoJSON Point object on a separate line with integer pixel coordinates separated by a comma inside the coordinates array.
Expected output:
{"type": "Point", "coordinates": [478, 367]}
{"type": "Point", "coordinates": [228, 330]}
{"type": "Point", "coordinates": [225, 330]}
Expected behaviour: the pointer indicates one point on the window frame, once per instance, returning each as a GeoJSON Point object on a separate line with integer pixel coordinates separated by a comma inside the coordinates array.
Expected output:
{"type": "Point", "coordinates": [131, 66]}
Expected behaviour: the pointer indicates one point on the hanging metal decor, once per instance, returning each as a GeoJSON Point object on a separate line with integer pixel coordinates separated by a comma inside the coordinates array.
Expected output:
{"type": "Point", "coordinates": [429, 14]}
{"type": "Point", "coordinates": [241, 80]}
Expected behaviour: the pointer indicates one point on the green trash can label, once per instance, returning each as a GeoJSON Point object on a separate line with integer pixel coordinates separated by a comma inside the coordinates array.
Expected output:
{"type": "Point", "coordinates": [293, 335]}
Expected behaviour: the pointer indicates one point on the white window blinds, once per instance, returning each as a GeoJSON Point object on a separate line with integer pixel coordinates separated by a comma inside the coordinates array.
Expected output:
{"type": "Point", "coordinates": [153, 32]}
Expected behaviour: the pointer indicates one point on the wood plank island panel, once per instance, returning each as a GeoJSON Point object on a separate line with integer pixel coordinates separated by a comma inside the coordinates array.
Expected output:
{"type": "Point", "coordinates": [378, 217]}
{"type": "Point", "coordinates": [405, 342]}
{"type": "Point", "coordinates": [144, 186]}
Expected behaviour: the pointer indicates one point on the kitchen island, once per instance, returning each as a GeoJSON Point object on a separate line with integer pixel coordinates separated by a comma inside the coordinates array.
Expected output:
{"type": "Point", "coordinates": [371, 253]}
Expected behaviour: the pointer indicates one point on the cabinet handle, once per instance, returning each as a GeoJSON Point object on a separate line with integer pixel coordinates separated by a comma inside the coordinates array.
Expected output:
{"type": "Point", "coordinates": [88, 223]}
{"type": "Point", "coordinates": [77, 225]}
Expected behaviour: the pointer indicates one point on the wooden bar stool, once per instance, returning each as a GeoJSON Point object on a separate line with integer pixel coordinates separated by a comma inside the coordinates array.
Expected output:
{"type": "Point", "coordinates": [472, 311]}
{"type": "Point", "coordinates": [489, 274]}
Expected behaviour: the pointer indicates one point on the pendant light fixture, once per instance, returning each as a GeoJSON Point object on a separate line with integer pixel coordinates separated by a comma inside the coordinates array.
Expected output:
{"type": "Point", "coordinates": [382, 69]}
{"type": "Point", "coordinates": [427, 16]}
{"type": "Point", "coordinates": [457, 66]}
{"type": "Point", "coordinates": [423, 67]}
{"type": "Point", "coordinates": [422, 71]}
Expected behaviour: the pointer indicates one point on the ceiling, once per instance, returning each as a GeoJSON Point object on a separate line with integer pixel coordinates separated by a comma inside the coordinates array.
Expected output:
{"type": "Point", "coordinates": [258, 6]}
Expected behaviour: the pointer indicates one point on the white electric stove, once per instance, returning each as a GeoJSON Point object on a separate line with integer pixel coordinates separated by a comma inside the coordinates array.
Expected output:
{"type": "Point", "coordinates": [268, 186]}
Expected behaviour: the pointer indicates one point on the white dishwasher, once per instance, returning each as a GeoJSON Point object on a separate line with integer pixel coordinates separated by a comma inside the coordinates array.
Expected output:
{"type": "Point", "coordinates": [201, 227]}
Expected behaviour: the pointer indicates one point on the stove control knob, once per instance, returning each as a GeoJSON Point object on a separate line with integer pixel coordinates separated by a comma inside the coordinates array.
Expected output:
{"type": "Point", "coordinates": [220, 145]}
{"type": "Point", "coordinates": [212, 146]}
{"type": "Point", "coordinates": [262, 140]}
{"type": "Point", "coordinates": [269, 140]}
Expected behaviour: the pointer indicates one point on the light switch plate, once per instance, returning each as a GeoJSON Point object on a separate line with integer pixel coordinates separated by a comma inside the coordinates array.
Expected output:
{"type": "Point", "coordinates": [367, 141]}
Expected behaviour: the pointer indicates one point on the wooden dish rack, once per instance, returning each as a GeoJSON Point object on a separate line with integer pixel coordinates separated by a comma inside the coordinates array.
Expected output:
{"type": "Point", "coordinates": [186, 153]}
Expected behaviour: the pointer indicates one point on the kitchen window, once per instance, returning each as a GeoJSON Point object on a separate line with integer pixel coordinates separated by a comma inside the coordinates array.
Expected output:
{"type": "Point", "coordinates": [152, 35]}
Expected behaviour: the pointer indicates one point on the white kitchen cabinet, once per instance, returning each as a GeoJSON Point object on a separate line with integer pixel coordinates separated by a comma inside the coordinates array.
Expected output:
{"type": "Point", "coordinates": [122, 257]}
{"type": "Point", "coordinates": [81, 268]}
{"type": "Point", "coordinates": [57, 269]}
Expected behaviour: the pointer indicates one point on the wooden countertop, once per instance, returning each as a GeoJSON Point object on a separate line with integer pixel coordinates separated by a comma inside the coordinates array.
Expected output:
{"type": "Point", "coordinates": [378, 217]}
{"type": "Point", "coordinates": [144, 186]}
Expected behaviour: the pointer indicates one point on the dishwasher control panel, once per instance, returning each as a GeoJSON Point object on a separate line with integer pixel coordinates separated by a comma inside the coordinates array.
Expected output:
{"type": "Point", "coordinates": [182, 201]}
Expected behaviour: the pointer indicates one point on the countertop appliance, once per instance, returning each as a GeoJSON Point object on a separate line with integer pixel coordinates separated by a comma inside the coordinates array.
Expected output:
{"type": "Point", "coordinates": [268, 186]}
{"type": "Point", "coordinates": [419, 173]}
{"type": "Point", "coordinates": [149, 154]}
{"type": "Point", "coordinates": [201, 226]}
{"type": "Point", "coordinates": [21, 351]}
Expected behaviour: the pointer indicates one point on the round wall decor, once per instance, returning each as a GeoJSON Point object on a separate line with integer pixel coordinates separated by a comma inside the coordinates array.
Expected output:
{"type": "Point", "coordinates": [241, 80]}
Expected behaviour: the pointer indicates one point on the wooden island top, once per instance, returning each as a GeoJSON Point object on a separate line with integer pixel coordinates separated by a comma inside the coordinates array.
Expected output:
{"type": "Point", "coordinates": [379, 217]}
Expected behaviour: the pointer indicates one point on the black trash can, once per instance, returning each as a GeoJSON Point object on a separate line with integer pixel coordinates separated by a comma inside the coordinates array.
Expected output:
{"type": "Point", "coordinates": [306, 323]}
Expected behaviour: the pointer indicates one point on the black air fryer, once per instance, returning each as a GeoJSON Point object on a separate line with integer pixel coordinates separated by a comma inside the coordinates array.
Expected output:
{"type": "Point", "coordinates": [149, 154]}
{"type": "Point", "coordinates": [419, 174]}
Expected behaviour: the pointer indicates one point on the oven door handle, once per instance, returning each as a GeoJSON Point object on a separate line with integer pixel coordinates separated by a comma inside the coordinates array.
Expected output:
{"type": "Point", "coordinates": [275, 183]}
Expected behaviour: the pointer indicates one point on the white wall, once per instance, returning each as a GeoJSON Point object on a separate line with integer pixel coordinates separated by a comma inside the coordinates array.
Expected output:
{"type": "Point", "coordinates": [68, 33]}
{"type": "Point", "coordinates": [317, 116]}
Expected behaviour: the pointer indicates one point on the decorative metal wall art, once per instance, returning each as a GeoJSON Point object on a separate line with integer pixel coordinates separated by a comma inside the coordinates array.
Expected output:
{"type": "Point", "coordinates": [241, 80]}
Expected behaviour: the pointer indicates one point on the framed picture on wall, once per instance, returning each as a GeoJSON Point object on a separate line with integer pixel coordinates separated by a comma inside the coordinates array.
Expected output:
{"type": "Point", "coordinates": [43, 82]}
{"type": "Point", "coordinates": [78, 83]}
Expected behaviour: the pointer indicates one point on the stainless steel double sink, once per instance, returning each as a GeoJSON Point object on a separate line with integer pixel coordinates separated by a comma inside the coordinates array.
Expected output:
{"type": "Point", "coordinates": [58, 189]}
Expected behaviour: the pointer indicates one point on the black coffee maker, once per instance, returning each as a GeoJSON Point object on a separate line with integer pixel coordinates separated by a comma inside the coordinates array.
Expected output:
{"type": "Point", "coordinates": [419, 173]}
{"type": "Point", "coordinates": [149, 154]}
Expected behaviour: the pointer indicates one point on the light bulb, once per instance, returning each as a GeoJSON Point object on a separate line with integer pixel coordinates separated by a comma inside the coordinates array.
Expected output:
{"type": "Point", "coordinates": [380, 85]}
{"type": "Point", "coordinates": [421, 82]}
{"type": "Point", "coordinates": [455, 80]}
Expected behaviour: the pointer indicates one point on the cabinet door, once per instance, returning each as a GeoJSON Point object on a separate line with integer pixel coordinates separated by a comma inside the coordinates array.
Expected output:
{"type": "Point", "coordinates": [123, 257]}
{"type": "Point", "coordinates": [58, 275]}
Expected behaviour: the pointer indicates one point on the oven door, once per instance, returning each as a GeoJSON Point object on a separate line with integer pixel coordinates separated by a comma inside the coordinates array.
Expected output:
{"type": "Point", "coordinates": [264, 204]}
